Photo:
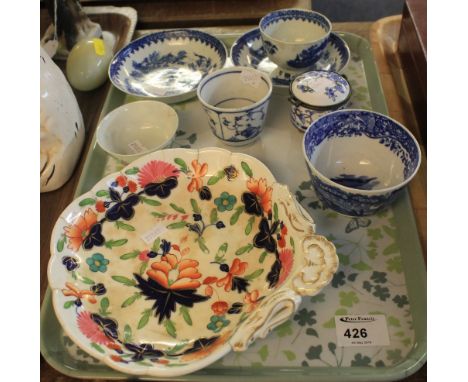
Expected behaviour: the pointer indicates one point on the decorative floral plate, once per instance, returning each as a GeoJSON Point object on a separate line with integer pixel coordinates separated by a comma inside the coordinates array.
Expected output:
{"type": "Point", "coordinates": [248, 50]}
{"type": "Point", "coordinates": [185, 255]}
{"type": "Point", "coordinates": [167, 65]}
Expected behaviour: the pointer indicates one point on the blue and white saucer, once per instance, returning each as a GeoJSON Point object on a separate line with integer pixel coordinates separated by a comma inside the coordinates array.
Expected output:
{"type": "Point", "coordinates": [248, 51]}
{"type": "Point", "coordinates": [167, 65]}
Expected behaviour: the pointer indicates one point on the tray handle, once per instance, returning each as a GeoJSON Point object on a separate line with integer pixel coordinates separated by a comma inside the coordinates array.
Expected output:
{"type": "Point", "coordinates": [274, 310]}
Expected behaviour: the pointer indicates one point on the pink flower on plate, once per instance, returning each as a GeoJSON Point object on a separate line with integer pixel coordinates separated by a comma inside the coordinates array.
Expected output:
{"type": "Point", "coordinates": [91, 329]}
{"type": "Point", "coordinates": [287, 260]}
{"type": "Point", "coordinates": [156, 171]}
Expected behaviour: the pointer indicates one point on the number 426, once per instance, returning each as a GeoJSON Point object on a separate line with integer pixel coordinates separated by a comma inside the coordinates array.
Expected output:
{"type": "Point", "coordinates": [356, 333]}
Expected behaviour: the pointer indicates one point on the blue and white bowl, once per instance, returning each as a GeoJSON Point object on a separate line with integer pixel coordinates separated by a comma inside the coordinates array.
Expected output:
{"type": "Point", "coordinates": [295, 39]}
{"type": "Point", "coordinates": [236, 102]}
{"type": "Point", "coordinates": [248, 50]}
{"type": "Point", "coordinates": [167, 65]}
{"type": "Point", "coordinates": [359, 160]}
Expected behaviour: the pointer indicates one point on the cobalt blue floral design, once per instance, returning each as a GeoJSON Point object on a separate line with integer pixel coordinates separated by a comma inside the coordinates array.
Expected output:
{"type": "Point", "coordinates": [349, 203]}
{"type": "Point", "coordinates": [248, 50]}
{"type": "Point", "coordinates": [154, 60]}
{"type": "Point", "coordinates": [353, 181]}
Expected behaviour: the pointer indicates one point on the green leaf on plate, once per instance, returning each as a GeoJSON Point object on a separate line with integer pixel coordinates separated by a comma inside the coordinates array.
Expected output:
{"type": "Point", "coordinates": [150, 202]}
{"type": "Point", "coordinates": [97, 347]}
{"type": "Point", "coordinates": [182, 164]}
{"type": "Point", "coordinates": [254, 274]}
{"type": "Point", "coordinates": [156, 244]}
{"type": "Point", "coordinates": [348, 298]}
{"type": "Point", "coordinates": [104, 305]}
{"type": "Point", "coordinates": [177, 225]}
{"type": "Point", "coordinates": [244, 249]}
{"type": "Point", "coordinates": [87, 280]}
{"type": "Point", "coordinates": [143, 267]}
{"type": "Point", "coordinates": [176, 348]}
{"type": "Point", "coordinates": [115, 243]}
{"type": "Point", "coordinates": [275, 211]}
{"type": "Point", "coordinates": [389, 231]}
{"type": "Point", "coordinates": [221, 252]}
{"type": "Point", "coordinates": [132, 171]}
{"type": "Point", "coordinates": [202, 245]}
{"type": "Point", "coordinates": [159, 214]}
{"type": "Point", "coordinates": [262, 257]}
{"type": "Point", "coordinates": [291, 356]}
{"type": "Point", "coordinates": [185, 313]}
{"type": "Point", "coordinates": [130, 255]}
{"type": "Point", "coordinates": [263, 351]}
{"type": "Point", "coordinates": [332, 347]}
{"type": "Point", "coordinates": [127, 333]}
{"type": "Point", "coordinates": [177, 208]}
{"type": "Point", "coordinates": [195, 207]}
{"type": "Point", "coordinates": [68, 304]}
{"type": "Point", "coordinates": [170, 328]}
{"type": "Point", "coordinates": [102, 194]}
{"type": "Point", "coordinates": [144, 318]}
{"type": "Point", "coordinates": [392, 248]}
{"type": "Point", "coordinates": [124, 280]}
{"type": "Point", "coordinates": [246, 169]}
{"type": "Point", "coordinates": [124, 226]}
{"type": "Point", "coordinates": [87, 202]}
{"type": "Point", "coordinates": [61, 243]}
{"type": "Point", "coordinates": [236, 214]}
{"type": "Point", "coordinates": [249, 226]}
{"type": "Point", "coordinates": [213, 216]}
{"type": "Point", "coordinates": [131, 299]}
{"type": "Point", "coordinates": [393, 321]}
{"type": "Point", "coordinates": [314, 352]}
{"type": "Point", "coordinates": [216, 178]}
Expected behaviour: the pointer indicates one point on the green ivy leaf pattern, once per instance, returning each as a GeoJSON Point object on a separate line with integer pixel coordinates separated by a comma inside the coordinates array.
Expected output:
{"type": "Point", "coordinates": [314, 352]}
{"type": "Point", "coordinates": [360, 360]}
{"type": "Point", "coordinates": [348, 299]}
{"type": "Point", "coordinates": [247, 169]}
{"type": "Point", "coordinates": [285, 329]}
{"type": "Point", "coordinates": [263, 352]}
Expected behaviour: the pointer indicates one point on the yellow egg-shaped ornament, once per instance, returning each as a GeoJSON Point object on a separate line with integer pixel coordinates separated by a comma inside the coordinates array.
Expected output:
{"type": "Point", "coordinates": [87, 64]}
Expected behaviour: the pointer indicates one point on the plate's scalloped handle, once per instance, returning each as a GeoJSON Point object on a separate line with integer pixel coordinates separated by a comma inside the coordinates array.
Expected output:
{"type": "Point", "coordinates": [318, 267]}
{"type": "Point", "coordinates": [274, 310]}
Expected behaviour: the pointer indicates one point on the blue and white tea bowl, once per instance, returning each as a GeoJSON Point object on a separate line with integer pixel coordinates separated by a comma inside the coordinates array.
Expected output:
{"type": "Point", "coordinates": [359, 160]}
{"type": "Point", "coordinates": [248, 50]}
{"type": "Point", "coordinates": [236, 102]}
{"type": "Point", "coordinates": [295, 39]}
{"type": "Point", "coordinates": [167, 65]}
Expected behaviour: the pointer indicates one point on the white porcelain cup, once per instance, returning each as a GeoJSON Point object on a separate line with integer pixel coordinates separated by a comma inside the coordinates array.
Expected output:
{"type": "Point", "coordinates": [236, 103]}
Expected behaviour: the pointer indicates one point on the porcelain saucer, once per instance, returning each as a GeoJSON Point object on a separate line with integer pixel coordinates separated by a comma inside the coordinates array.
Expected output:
{"type": "Point", "coordinates": [248, 51]}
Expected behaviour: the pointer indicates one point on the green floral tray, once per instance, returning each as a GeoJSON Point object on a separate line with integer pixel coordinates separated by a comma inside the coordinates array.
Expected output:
{"type": "Point", "coordinates": [381, 266]}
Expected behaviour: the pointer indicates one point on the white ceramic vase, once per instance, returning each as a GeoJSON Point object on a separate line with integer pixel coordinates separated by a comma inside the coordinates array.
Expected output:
{"type": "Point", "coordinates": [62, 127]}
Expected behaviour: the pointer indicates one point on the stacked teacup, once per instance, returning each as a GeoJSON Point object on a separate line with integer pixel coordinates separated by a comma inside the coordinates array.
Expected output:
{"type": "Point", "coordinates": [295, 39]}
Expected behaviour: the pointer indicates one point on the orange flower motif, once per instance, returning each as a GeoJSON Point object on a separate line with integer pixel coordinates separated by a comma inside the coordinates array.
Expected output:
{"type": "Point", "coordinates": [77, 232]}
{"type": "Point", "coordinates": [236, 269]}
{"type": "Point", "coordinates": [286, 257]}
{"type": "Point", "coordinates": [251, 301]}
{"type": "Point", "coordinates": [219, 307]}
{"type": "Point", "coordinates": [132, 186]}
{"type": "Point", "coordinates": [116, 358]}
{"type": "Point", "coordinates": [199, 171]}
{"type": "Point", "coordinates": [100, 206]}
{"type": "Point", "coordinates": [173, 273]}
{"type": "Point", "coordinates": [81, 294]}
{"type": "Point", "coordinates": [263, 193]}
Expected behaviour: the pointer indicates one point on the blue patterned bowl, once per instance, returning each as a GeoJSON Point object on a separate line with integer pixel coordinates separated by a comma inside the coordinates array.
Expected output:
{"type": "Point", "coordinates": [359, 160]}
{"type": "Point", "coordinates": [167, 65]}
{"type": "Point", "coordinates": [248, 50]}
{"type": "Point", "coordinates": [295, 39]}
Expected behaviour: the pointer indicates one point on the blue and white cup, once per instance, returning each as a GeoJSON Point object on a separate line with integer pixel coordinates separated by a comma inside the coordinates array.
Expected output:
{"type": "Point", "coordinates": [236, 102]}
{"type": "Point", "coordinates": [295, 39]}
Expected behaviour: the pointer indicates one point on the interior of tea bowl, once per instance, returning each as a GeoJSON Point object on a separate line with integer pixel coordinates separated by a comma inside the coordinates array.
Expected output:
{"type": "Point", "coordinates": [169, 278]}
{"type": "Point", "coordinates": [295, 38]}
{"type": "Point", "coordinates": [236, 102]}
{"type": "Point", "coordinates": [136, 129]}
{"type": "Point", "coordinates": [359, 160]}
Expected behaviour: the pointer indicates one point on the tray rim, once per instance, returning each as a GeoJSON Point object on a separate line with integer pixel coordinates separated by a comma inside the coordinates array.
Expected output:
{"type": "Point", "coordinates": [416, 283]}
